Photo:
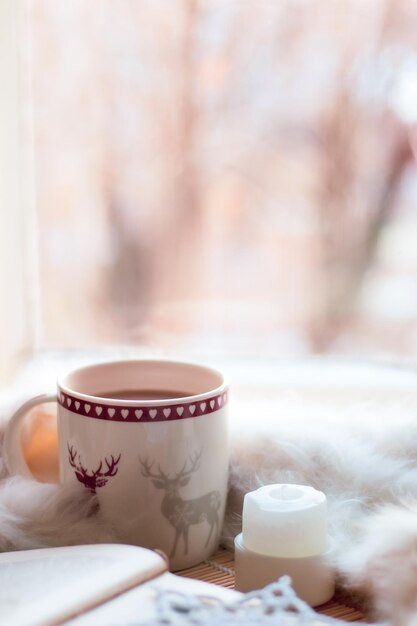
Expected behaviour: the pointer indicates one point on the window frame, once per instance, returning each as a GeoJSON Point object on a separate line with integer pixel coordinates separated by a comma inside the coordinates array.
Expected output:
{"type": "Point", "coordinates": [19, 308]}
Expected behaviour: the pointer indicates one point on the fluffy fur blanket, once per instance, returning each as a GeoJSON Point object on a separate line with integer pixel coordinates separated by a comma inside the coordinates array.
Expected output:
{"type": "Point", "coordinates": [363, 458]}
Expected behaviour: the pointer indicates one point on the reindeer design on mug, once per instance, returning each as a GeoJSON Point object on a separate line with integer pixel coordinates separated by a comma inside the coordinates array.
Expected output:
{"type": "Point", "coordinates": [181, 513]}
{"type": "Point", "coordinates": [96, 478]}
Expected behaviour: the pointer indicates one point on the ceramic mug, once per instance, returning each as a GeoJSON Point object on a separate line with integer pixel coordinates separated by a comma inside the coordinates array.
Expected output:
{"type": "Point", "coordinates": [158, 468]}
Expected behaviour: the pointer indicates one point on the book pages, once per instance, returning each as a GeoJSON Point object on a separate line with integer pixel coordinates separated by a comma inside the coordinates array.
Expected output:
{"type": "Point", "coordinates": [47, 587]}
{"type": "Point", "coordinates": [139, 605]}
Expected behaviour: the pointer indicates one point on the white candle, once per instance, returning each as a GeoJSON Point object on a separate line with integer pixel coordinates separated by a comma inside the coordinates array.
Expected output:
{"type": "Point", "coordinates": [285, 521]}
{"type": "Point", "coordinates": [284, 532]}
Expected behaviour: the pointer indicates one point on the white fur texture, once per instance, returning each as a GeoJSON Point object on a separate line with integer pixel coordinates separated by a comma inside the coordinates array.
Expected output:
{"type": "Point", "coordinates": [35, 515]}
{"type": "Point", "coordinates": [363, 458]}
{"type": "Point", "coordinates": [383, 563]}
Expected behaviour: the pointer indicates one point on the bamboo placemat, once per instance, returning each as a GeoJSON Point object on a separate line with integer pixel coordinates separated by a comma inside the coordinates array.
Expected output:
{"type": "Point", "coordinates": [212, 572]}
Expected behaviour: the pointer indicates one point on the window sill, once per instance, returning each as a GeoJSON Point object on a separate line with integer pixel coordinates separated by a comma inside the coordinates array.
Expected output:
{"type": "Point", "coordinates": [322, 389]}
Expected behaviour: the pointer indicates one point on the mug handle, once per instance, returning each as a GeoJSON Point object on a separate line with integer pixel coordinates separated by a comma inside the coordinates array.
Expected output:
{"type": "Point", "coordinates": [12, 444]}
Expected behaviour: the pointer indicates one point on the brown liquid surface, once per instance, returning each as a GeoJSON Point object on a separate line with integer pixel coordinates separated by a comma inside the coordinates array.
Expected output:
{"type": "Point", "coordinates": [143, 394]}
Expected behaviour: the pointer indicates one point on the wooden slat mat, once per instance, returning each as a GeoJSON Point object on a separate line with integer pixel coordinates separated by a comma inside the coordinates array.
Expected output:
{"type": "Point", "coordinates": [212, 572]}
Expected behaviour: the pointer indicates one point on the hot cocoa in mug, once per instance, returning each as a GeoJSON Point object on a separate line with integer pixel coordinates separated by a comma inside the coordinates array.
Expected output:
{"type": "Point", "coordinates": [149, 439]}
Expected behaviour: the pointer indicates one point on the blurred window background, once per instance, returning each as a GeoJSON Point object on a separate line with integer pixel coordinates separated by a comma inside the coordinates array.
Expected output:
{"type": "Point", "coordinates": [226, 175]}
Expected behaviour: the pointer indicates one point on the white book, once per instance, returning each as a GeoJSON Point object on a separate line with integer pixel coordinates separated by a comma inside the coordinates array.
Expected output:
{"type": "Point", "coordinates": [93, 585]}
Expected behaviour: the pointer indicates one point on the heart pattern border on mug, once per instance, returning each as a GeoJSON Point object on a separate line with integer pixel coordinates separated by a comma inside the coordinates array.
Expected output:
{"type": "Point", "coordinates": [141, 413]}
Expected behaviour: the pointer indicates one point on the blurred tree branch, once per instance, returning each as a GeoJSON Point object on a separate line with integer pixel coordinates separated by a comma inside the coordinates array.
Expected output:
{"type": "Point", "coordinates": [350, 225]}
